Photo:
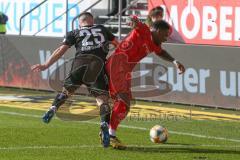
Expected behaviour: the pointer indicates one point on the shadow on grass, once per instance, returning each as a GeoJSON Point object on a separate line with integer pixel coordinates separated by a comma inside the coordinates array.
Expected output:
{"type": "Point", "coordinates": [182, 148]}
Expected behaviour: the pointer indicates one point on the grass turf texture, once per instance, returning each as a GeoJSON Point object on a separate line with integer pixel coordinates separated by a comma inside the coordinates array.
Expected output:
{"type": "Point", "coordinates": [23, 136]}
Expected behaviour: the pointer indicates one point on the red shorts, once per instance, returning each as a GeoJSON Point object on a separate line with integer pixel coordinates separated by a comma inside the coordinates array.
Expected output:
{"type": "Point", "coordinates": [119, 72]}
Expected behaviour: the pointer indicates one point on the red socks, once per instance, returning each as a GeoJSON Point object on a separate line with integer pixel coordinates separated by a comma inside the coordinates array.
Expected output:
{"type": "Point", "coordinates": [119, 112]}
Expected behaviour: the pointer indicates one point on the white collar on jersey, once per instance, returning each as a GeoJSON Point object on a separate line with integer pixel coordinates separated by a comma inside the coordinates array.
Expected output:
{"type": "Point", "coordinates": [90, 26]}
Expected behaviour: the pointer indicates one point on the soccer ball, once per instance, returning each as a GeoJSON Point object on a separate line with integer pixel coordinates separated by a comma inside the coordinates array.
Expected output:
{"type": "Point", "coordinates": [158, 134]}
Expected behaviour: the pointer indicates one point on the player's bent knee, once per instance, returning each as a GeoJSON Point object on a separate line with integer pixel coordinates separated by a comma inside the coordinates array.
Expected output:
{"type": "Point", "coordinates": [102, 99]}
{"type": "Point", "coordinates": [68, 92]}
{"type": "Point", "coordinates": [105, 109]}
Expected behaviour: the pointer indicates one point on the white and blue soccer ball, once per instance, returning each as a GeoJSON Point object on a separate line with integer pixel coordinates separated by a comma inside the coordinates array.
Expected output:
{"type": "Point", "coordinates": [158, 134]}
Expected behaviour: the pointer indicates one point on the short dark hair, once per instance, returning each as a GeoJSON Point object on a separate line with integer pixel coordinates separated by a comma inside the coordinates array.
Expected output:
{"type": "Point", "coordinates": [156, 11]}
{"type": "Point", "coordinates": [85, 15]}
{"type": "Point", "coordinates": [161, 24]}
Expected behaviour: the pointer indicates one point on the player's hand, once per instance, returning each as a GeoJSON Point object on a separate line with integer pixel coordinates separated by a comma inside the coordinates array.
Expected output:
{"type": "Point", "coordinates": [132, 21]}
{"type": "Point", "coordinates": [180, 67]}
{"type": "Point", "coordinates": [38, 67]}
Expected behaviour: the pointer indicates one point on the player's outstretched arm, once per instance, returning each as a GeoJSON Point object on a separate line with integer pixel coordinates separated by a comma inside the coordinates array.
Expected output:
{"type": "Point", "coordinates": [166, 56]}
{"type": "Point", "coordinates": [115, 42]}
{"type": "Point", "coordinates": [132, 21]}
{"type": "Point", "coordinates": [53, 58]}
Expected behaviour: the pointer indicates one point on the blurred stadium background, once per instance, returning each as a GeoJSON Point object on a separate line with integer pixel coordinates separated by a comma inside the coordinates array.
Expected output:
{"type": "Point", "coordinates": [201, 111]}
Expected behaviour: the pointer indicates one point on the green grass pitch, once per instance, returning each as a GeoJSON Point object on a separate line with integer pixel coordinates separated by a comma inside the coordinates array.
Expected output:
{"type": "Point", "coordinates": [23, 136]}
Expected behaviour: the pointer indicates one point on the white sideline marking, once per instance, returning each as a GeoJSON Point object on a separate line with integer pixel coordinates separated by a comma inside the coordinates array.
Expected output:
{"type": "Point", "coordinates": [99, 146]}
{"type": "Point", "coordinates": [133, 127]}
{"type": "Point", "coordinates": [50, 147]}
{"type": "Point", "coordinates": [14, 98]}
{"type": "Point", "coordinates": [20, 114]}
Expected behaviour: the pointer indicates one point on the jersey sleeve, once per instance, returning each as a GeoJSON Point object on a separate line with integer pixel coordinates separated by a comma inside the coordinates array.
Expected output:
{"type": "Point", "coordinates": [69, 39]}
{"type": "Point", "coordinates": [141, 27]}
{"type": "Point", "coordinates": [152, 46]}
{"type": "Point", "coordinates": [157, 49]}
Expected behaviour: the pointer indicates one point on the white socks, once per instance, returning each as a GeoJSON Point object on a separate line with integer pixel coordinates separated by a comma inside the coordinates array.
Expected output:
{"type": "Point", "coordinates": [53, 108]}
{"type": "Point", "coordinates": [112, 132]}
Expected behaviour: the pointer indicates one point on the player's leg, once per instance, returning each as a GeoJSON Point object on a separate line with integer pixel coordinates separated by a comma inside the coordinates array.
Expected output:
{"type": "Point", "coordinates": [71, 83]}
{"type": "Point", "coordinates": [105, 112]}
{"type": "Point", "coordinates": [100, 90]}
{"type": "Point", "coordinates": [119, 87]}
{"type": "Point", "coordinates": [119, 113]}
{"type": "Point", "coordinates": [58, 101]}
{"type": "Point", "coordinates": [120, 110]}
{"type": "Point", "coordinates": [104, 108]}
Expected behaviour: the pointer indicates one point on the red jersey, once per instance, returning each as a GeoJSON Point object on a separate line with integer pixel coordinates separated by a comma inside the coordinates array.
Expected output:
{"type": "Point", "coordinates": [138, 44]}
{"type": "Point", "coordinates": [130, 51]}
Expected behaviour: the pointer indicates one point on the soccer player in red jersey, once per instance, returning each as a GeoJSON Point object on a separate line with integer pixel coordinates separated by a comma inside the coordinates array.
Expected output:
{"type": "Point", "coordinates": [138, 44]}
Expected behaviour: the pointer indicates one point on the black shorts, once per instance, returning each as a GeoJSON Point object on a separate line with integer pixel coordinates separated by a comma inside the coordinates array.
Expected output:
{"type": "Point", "coordinates": [90, 71]}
